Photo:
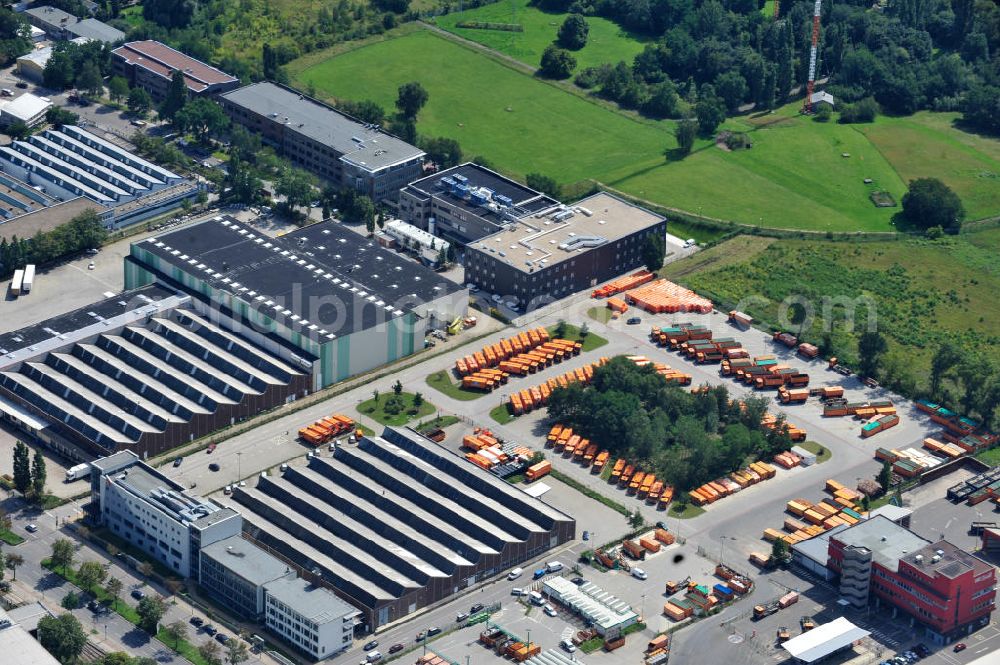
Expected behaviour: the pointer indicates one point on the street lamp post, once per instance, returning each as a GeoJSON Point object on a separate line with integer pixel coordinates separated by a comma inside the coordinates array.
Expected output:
{"type": "Point", "coordinates": [239, 466]}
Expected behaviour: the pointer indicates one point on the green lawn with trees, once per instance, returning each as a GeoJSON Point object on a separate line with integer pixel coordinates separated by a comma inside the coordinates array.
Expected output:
{"type": "Point", "coordinates": [518, 123]}
{"type": "Point", "coordinates": [683, 438]}
{"type": "Point", "coordinates": [795, 175]}
{"type": "Point", "coordinates": [606, 42]}
{"type": "Point", "coordinates": [396, 407]}
{"type": "Point", "coordinates": [926, 295]}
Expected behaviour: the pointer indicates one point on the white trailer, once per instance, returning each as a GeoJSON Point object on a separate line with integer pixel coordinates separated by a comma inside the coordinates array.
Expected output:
{"type": "Point", "coordinates": [15, 284]}
{"type": "Point", "coordinates": [77, 472]}
{"type": "Point", "coordinates": [29, 278]}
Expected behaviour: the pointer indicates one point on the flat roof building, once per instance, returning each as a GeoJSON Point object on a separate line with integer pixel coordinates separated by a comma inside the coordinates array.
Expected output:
{"type": "Point", "coordinates": [309, 617]}
{"type": "Point", "coordinates": [27, 108]}
{"type": "Point", "coordinates": [234, 572]}
{"type": "Point", "coordinates": [323, 298]}
{"type": "Point", "coordinates": [329, 143]}
{"type": "Point", "coordinates": [543, 257]}
{"type": "Point", "coordinates": [949, 591]}
{"type": "Point", "coordinates": [142, 506]}
{"type": "Point", "coordinates": [61, 25]}
{"type": "Point", "coordinates": [397, 523]}
{"type": "Point", "coordinates": [151, 65]}
{"type": "Point", "coordinates": [468, 202]}
{"type": "Point", "coordinates": [18, 646]}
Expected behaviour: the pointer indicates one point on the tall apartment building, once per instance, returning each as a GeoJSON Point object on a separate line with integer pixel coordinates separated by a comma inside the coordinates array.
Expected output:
{"type": "Point", "coordinates": [468, 202]}
{"type": "Point", "coordinates": [948, 590]}
{"type": "Point", "coordinates": [309, 617]}
{"type": "Point", "coordinates": [543, 257]}
{"type": "Point", "coordinates": [156, 514]}
{"type": "Point", "coordinates": [151, 65]}
{"type": "Point", "coordinates": [329, 143]}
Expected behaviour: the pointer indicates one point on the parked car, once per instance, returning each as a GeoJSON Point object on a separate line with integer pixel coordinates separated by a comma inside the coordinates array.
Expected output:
{"type": "Point", "coordinates": [138, 594]}
{"type": "Point", "coordinates": [222, 638]}
{"type": "Point", "coordinates": [213, 467]}
{"type": "Point", "coordinates": [634, 321]}
{"type": "Point", "coordinates": [396, 648]}
{"type": "Point", "coordinates": [579, 581]}
{"type": "Point", "coordinates": [370, 646]}
{"type": "Point", "coordinates": [461, 616]}
{"type": "Point", "coordinates": [960, 647]}
{"type": "Point", "coordinates": [31, 528]}
{"type": "Point", "coordinates": [432, 631]}
{"type": "Point", "coordinates": [373, 657]}
{"type": "Point", "coordinates": [567, 645]}
{"type": "Point", "coordinates": [421, 636]}
{"type": "Point", "coordinates": [518, 591]}
{"type": "Point", "coordinates": [197, 621]}
{"type": "Point", "coordinates": [514, 574]}
{"type": "Point", "coordinates": [690, 242]}
{"type": "Point", "coordinates": [551, 611]}
{"type": "Point", "coordinates": [639, 574]}
{"type": "Point", "coordinates": [210, 629]}
{"type": "Point", "coordinates": [539, 574]}
{"type": "Point", "coordinates": [177, 461]}
{"type": "Point", "coordinates": [478, 607]}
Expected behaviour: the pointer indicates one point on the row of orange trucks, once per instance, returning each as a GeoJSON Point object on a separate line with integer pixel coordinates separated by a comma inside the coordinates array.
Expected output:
{"type": "Point", "coordinates": [326, 429]}
{"type": "Point", "coordinates": [625, 283]}
{"type": "Point", "coordinates": [810, 520]}
{"type": "Point", "coordinates": [668, 373]}
{"type": "Point", "coordinates": [643, 485]}
{"type": "Point", "coordinates": [542, 356]}
{"type": "Point", "coordinates": [738, 480]}
{"type": "Point", "coordinates": [529, 399]}
{"type": "Point", "coordinates": [562, 440]}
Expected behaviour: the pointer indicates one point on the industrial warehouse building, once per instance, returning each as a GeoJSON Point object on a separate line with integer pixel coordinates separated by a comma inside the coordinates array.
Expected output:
{"type": "Point", "coordinates": [28, 109]}
{"type": "Point", "coordinates": [71, 162]}
{"type": "Point", "coordinates": [323, 298]}
{"type": "Point", "coordinates": [555, 252]}
{"type": "Point", "coordinates": [468, 202]}
{"type": "Point", "coordinates": [142, 506]}
{"type": "Point", "coordinates": [151, 65]}
{"type": "Point", "coordinates": [396, 523]}
{"type": "Point", "coordinates": [606, 613]}
{"type": "Point", "coordinates": [329, 143]}
{"type": "Point", "coordinates": [143, 371]}
{"type": "Point", "coordinates": [948, 590]}
{"type": "Point", "coordinates": [61, 25]}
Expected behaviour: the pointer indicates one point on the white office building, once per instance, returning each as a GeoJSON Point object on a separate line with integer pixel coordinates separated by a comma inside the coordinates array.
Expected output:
{"type": "Point", "coordinates": [157, 515]}
{"type": "Point", "coordinates": [310, 618]}
{"type": "Point", "coordinates": [28, 108]}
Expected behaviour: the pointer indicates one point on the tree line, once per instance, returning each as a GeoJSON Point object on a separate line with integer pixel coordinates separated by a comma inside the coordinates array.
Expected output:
{"type": "Point", "coordinates": [707, 59]}
{"type": "Point", "coordinates": [685, 439]}
{"type": "Point", "coordinates": [85, 231]}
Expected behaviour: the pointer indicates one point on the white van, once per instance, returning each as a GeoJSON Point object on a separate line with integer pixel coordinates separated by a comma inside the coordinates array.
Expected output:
{"type": "Point", "coordinates": [554, 566]}
{"type": "Point", "coordinates": [536, 598]}
{"type": "Point", "coordinates": [639, 574]}
{"type": "Point", "coordinates": [514, 574]}
{"type": "Point", "coordinates": [373, 656]}
{"type": "Point", "coordinates": [518, 591]}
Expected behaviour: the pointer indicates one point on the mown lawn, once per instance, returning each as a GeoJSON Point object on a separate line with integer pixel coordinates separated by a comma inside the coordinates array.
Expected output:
{"type": "Point", "coordinates": [606, 43]}
{"type": "Point", "coordinates": [520, 124]}
{"type": "Point", "coordinates": [442, 381]}
{"type": "Point", "coordinates": [383, 412]}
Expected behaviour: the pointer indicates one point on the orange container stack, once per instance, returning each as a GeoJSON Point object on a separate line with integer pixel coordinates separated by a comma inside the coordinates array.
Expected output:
{"type": "Point", "coordinates": [493, 354]}
{"type": "Point", "coordinates": [623, 284]}
{"type": "Point", "coordinates": [617, 305]}
{"type": "Point", "coordinates": [662, 296]}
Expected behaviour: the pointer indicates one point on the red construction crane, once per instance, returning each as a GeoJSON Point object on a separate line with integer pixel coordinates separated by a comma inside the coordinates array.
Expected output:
{"type": "Point", "coordinates": [808, 108]}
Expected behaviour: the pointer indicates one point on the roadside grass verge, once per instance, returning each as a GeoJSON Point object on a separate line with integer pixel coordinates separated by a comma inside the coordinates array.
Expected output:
{"type": "Point", "coordinates": [395, 410]}
{"type": "Point", "coordinates": [502, 414]}
{"type": "Point", "coordinates": [586, 491]}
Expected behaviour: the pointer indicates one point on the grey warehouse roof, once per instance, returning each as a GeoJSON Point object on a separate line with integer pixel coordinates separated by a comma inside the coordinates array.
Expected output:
{"type": "Point", "coordinates": [323, 281]}
{"type": "Point", "coordinates": [246, 560]}
{"type": "Point", "coordinates": [362, 145]}
{"type": "Point", "coordinates": [91, 28]}
{"type": "Point", "coordinates": [313, 602]}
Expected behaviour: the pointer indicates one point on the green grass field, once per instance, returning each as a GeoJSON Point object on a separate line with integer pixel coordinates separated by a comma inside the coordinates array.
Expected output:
{"type": "Point", "coordinates": [519, 123]}
{"type": "Point", "coordinates": [606, 43]}
{"type": "Point", "coordinates": [379, 412]}
{"type": "Point", "coordinates": [795, 176]}
{"type": "Point", "coordinates": [924, 292]}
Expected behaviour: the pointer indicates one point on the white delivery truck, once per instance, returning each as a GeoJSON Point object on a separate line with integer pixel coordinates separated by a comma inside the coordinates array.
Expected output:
{"type": "Point", "coordinates": [77, 472]}
{"type": "Point", "coordinates": [29, 278]}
